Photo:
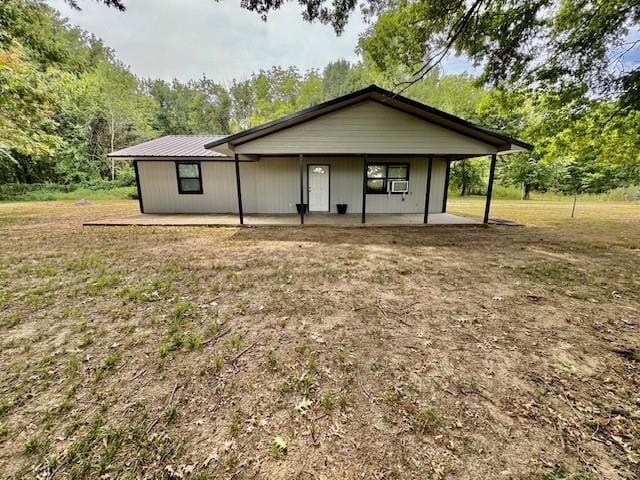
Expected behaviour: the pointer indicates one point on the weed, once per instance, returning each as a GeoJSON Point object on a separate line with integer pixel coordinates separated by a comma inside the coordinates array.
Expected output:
{"type": "Point", "coordinates": [103, 282]}
{"type": "Point", "coordinates": [40, 298]}
{"type": "Point", "coordinates": [273, 362]}
{"type": "Point", "coordinates": [212, 329]}
{"type": "Point", "coordinates": [12, 320]}
{"type": "Point", "coordinates": [37, 445]}
{"type": "Point", "coordinates": [593, 423]}
{"type": "Point", "coordinates": [183, 310]}
{"type": "Point", "coordinates": [341, 356]}
{"type": "Point", "coordinates": [86, 340]}
{"type": "Point", "coordinates": [176, 340]}
{"type": "Point", "coordinates": [327, 401]}
{"type": "Point", "coordinates": [233, 422]}
{"type": "Point", "coordinates": [46, 360]}
{"type": "Point", "coordinates": [218, 363]}
{"type": "Point", "coordinates": [426, 419]}
{"type": "Point", "coordinates": [541, 394]}
{"type": "Point", "coordinates": [86, 263]}
{"type": "Point", "coordinates": [73, 366]}
{"type": "Point", "coordinates": [5, 299]}
{"type": "Point", "coordinates": [279, 446]}
{"type": "Point", "coordinates": [229, 459]}
{"type": "Point", "coordinates": [171, 414]}
{"type": "Point", "coordinates": [164, 349]}
{"type": "Point", "coordinates": [312, 365]}
{"type": "Point", "coordinates": [113, 358]}
{"type": "Point", "coordinates": [566, 368]}
{"type": "Point", "coordinates": [235, 341]}
{"type": "Point", "coordinates": [341, 401]}
{"type": "Point", "coordinates": [6, 404]}
{"type": "Point", "coordinates": [4, 430]}
{"type": "Point", "coordinates": [195, 342]}
{"type": "Point", "coordinates": [392, 394]}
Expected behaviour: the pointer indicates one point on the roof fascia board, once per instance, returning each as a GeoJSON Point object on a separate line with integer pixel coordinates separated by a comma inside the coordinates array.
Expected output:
{"type": "Point", "coordinates": [174, 158]}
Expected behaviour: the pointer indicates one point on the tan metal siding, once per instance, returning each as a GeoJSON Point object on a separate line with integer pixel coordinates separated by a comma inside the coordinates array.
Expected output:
{"type": "Point", "coordinates": [159, 187]}
{"type": "Point", "coordinates": [271, 185]}
{"type": "Point", "coordinates": [367, 127]}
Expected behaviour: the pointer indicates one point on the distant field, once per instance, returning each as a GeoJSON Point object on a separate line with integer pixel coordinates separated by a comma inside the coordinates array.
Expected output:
{"type": "Point", "coordinates": [444, 352]}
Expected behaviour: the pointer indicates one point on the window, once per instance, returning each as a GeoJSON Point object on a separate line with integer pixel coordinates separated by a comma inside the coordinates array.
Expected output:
{"type": "Point", "coordinates": [380, 176]}
{"type": "Point", "coordinates": [189, 177]}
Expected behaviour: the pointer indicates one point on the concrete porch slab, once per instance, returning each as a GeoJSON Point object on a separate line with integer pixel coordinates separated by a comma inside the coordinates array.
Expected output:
{"type": "Point", "coordinates": [314, 219]}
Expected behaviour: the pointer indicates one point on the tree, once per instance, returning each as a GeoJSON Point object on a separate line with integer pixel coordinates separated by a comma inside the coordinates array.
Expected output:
{"type": "Point", "coordinates": [27, 127]}
{"type": "Point", "coordinates": [336, 79]}
{"type": "Point", "coordinates": [117, 4]}
{"type": "Point", "coordinates": [196, 107]}
{"type": "Point", "coordinates": [518, 42]}
{"type": "Point", "coordinates": [466, 176]}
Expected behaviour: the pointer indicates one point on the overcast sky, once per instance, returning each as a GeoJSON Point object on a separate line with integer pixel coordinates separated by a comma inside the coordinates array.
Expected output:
{"type": "Point", "coordinates": [185, 39]}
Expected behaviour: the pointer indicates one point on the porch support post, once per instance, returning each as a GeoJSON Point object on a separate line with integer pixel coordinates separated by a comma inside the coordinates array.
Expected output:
{"type": "Point", "coordinates": [301, 162]}
{"type": "Point", "coordinates": [239, 188]}
{"type": "Point", "coordinates": [135, 169]}
{"type": "Point", "coordinates": [428, 191]}
{"type": "Point", "coordinates": [364, 187]}
{"type": "Point", "coordinates": [492, 171]}
{"type": "Point", "coordinates": [446, 187]}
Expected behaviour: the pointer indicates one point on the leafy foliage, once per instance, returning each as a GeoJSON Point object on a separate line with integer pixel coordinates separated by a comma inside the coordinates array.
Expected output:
{"type": "Point", "coordinates": [66, 101]}
{"type": "Point", "coordinates": [518, 42]}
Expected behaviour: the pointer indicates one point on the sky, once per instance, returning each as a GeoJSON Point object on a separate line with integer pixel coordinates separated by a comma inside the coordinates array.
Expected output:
{"type": "Point", "coordinates": [185, 39]}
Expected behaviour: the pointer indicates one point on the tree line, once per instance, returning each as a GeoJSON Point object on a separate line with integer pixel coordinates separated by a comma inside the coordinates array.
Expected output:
{"type": "Point", "coordinates": [66, 101]}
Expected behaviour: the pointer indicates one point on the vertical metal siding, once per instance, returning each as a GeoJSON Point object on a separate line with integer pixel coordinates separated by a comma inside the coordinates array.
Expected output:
{"type": "Point", "coordinates": [366, 127]}
{"type": "Point", "coordinates": [271, 186]}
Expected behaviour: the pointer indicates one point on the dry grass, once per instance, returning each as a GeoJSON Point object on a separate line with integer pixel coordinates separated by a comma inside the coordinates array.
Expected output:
{"type": "Point", "coordinates": [470, 352]}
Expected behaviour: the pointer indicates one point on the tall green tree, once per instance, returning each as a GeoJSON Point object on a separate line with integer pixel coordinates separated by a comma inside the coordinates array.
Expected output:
{"type": "Point", "coordinates": [28, 136]}
{"type": "Point", "coordinates": [195, 107]}
{"type": "Point", "coordinates": [518, 42]}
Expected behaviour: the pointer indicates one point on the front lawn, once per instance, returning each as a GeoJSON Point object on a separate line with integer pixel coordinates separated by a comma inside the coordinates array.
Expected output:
{"type": "Point", "coordinates": [287, 352]}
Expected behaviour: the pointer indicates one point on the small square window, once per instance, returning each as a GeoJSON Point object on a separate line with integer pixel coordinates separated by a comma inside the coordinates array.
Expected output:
{"type": "Point", "coordinates": [189, 178]}
{"type": "Point", "coordinates": [376, 186]}
{"type": "Point", "coordinates": [397, 171]}
{"type": "Point", "coordinates": [376, 171]}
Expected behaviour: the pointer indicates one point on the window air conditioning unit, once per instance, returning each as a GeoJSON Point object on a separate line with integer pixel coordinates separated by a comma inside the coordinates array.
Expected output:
{"type": "Point", "coordinates": [400, 186]}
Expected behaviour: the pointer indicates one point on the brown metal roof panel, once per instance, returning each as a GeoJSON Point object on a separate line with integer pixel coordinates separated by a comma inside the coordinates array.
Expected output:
{"type": "Point", "coordinates": [171, 146]}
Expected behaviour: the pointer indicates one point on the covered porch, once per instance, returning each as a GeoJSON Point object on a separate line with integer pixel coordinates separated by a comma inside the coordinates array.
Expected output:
{"type": "Point", "coordinates": [314, 219]}
{"type": "Point", "coordinates": [429, 189]}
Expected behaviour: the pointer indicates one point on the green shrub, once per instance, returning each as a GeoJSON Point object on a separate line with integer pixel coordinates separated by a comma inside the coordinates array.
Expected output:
{"type": "Point", "coordinates": [95, 190]}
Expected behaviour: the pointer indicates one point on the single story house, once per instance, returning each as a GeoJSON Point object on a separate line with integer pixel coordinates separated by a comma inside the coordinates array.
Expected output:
{"type": "Point", "coordinates": [371, 150]}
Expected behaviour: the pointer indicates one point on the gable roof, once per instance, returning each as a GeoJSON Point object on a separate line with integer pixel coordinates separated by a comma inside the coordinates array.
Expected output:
{"type": "Point", "coordinates": [385, 97]}
{"type": "Point", "coordinates": [172, 146]}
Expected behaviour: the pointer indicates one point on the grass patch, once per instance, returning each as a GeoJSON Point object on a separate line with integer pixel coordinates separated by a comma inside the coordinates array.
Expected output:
{"type": "Point", "coordinates": [130, 359]}
{"type": "Point", "coordinates": [12, 320]}
{"type": "Point", "coordinates": [427, 419]}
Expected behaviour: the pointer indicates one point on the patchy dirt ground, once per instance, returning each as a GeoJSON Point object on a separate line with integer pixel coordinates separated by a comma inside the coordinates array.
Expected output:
{"type": "Point", "coordinates": [441, 352]}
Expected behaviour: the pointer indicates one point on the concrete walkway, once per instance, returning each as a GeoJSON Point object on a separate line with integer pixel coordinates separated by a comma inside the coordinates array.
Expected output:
{"type": "Point", "coordinates": [349, 220]}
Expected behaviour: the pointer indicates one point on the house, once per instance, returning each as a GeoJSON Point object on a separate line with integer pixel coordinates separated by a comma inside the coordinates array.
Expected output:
{"type": "Point", "coordinates": [371, 150]}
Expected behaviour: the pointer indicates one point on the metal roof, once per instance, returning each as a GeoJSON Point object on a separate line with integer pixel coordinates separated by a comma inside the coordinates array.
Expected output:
{"type": "Point", "coordinates": [373, 92]}
{"type": "Point", "coordinates": [170, 146]}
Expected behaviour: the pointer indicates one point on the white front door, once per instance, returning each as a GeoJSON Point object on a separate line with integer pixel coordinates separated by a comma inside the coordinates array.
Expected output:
{"type": "Point", "coordinates": [318, 184]}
